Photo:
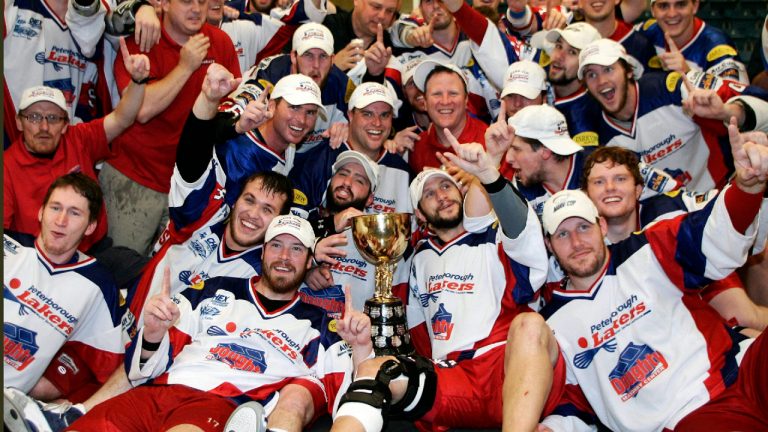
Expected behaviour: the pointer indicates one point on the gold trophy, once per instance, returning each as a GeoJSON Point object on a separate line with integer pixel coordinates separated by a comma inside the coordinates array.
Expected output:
{"type": "Point", "coordinates": [382, 239]}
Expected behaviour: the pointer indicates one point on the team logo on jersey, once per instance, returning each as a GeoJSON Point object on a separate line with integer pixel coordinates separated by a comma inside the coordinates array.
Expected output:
{"type": "Point", "coordinates": [216, 331]}
{"type": "Point", "coordinates": [356, 268]}
{"type": "Point", "coordinates": [209, 311]}
{"type": "Point", "coordinates": [453, 283]}
{"type": "Point", "coordinates": [638, 365]}
{"type": "Point", "coordinates": [66, 87]}
{"type": "Point", "coordinates": [442, 325]}
{"type": "Point", "coordinates": [205, 245]}
{"type": "Point", "coordinates": [26, 30]}
{"type": "Point", "coordinates": [277, 338]}
{"type": "Point", "coordinates": [331, 299]}
{"type": "Point", "coordinates": [221, 300]}
{"type": "Point", "coordinates": [193, 280]}
{"type": "Point", "coordinates": [662, 149]}
{"type": "Point", "coordinates": [679, 175]}
{"type": "Point", "coordinates": [10, 246]}
{"type": "Point", "coordinates": [721, 51]}
{"type": "Point", "coordinates": [239, 357]}
{"type": "Point", "coordinates": [382, 205]}
{"type": "Point", "coordinates": [19, 346]}
{"type": "Point", "coordinates": [60, 58]}
{"type": "Point", "coordinates": [44, 306]}
{"type": "Point", "coordinates": [604, 331]}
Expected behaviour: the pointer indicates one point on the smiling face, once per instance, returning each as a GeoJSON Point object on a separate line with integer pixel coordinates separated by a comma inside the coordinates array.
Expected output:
{"type": "Point", "coordinates": [610, 86]}
{"type": "Point", "coordinates": [215, 12]}
{"type": "Point", "coordinates": [578, 246]}
{"type": "Point", "coordinates": [441, 204]}
{"type": "Point", "coordinates": [64, 221]}
{"type": "Point", "coordinates": [369, 127]}
{"type": "Point", "coordinates": [613, 189]}
{"type": "Point", "coordinates": [446, 100]}
{"type": "Point", "coordinates": [434, 11]}
{"type": "Point", "coordinates": [415, 97]}
{"type": "Point", "coordinates": [565, 63]}
{"type": "Point", "coordinates": [285, 262]}
{"type": "Point", "coordinates": [598, 10]}
{"type": "Point", "coordinates": [292, 122]}
{"type": "Point", "coordinates": [349, 187]}
{"type": "Point", "coordinates": [251, 215]}
{"type": "Point", "coordinates": [314, 63]}
{"type": "Point", "coordinates": [676, 17]}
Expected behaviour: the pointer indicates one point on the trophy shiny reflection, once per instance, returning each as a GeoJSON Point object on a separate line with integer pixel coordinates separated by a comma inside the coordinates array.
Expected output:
{"type": "Point", "coordinates": [382, 239]}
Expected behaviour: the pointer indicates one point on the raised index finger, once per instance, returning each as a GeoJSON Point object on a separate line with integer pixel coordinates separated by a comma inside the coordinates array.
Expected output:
{"type": "Point", "coordinates": [263, 97]}
{"type": "Point", "coordinates": [124, 49]}
{"type": "Point", "coordinates": [380, 34]}
{"type": "Point", "coordinates": [502, 119]}
{"type": "Point", "coordinates": [166, 289]}
{"type": "Point", "coordinates": [671, 43]}
{"type": "Point", "coordinates": [348, 309]}
{"type": "Point", "coordinates": [452, 139]}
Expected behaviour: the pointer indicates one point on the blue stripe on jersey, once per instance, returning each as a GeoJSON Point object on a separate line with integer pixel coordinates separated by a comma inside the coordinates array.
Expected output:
{"type": "Point", "coordinates": [570, 410]}
{"type": "Point", "coordinates": [522, 292]}
{"type": "Point", "coordinates": [688, 249]}
{"type": "Point", "coordinates": [195, 203]}
{"type": "Point", "coordinates": [103, 279]}
{"type": "Point", "coordinates": [241, 288]}
{"type": "Point", "coordinates": [730, 370]}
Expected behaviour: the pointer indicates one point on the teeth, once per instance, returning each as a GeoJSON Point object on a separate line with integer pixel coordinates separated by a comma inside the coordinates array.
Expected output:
{"type": "Point", "coordinates": [612, 199]}
{"type": "Point", "coordinates": [297, 129]}
{"type": "Point", "coordinates": [606, 91]}
{"type": "Point", "coordinates": [248, 225]}
{"type": "Point", "coordinates": [445, 111]}
{"type": "Point", "coordinates": [374, 132]}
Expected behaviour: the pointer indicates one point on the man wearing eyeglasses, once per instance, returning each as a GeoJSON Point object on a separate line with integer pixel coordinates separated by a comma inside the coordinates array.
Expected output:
{"type": "Point", "coordinates": [49, 147]}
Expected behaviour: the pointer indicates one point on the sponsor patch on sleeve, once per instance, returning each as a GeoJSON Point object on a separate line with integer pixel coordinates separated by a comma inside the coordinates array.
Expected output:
{"type": "Point", "coordinates": [672, 80]}
{"type": "Point", "coordinates": [586, 139]}
{"type": "Point", "coordinates": [720, 51]}
{"type": "Point", "coordinates": [299, 197]}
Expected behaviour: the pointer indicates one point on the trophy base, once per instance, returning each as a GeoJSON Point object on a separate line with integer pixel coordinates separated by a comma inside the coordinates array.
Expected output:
{"type": "Point", "coordinates": [389, 328]}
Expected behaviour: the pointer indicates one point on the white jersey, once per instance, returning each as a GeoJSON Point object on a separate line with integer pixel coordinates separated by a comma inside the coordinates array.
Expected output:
{"type": "Point", "coordinates": [226, 343]}
{"type": "Point", "coordinates": [192, 244]}
{"type": "Point", "coordinates": [46, 305]}
{"type": "Point", "coordinates": [640, 340]}
{"type": "Point", "coordinates": [467, 291]}
{"type": "Point", "coordinates": [40, 50]}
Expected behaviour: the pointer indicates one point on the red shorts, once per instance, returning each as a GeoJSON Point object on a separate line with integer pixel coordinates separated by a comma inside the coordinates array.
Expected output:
{"type": "Point", "coordinates": [743, 405]}
{"type": "Point", "coordinates": [71, 375]}
{"type": "Point", "coordinates": [469, 393]}
{"type": "Point", "coordinates": [149, 408]}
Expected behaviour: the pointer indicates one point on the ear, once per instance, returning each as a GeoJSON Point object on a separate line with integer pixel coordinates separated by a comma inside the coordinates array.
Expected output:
{"type": "Point", "coordinates": [18, 123]}
{"type": "Point", "coordinates": [309, 260]}
{"type": "Point", "coordinates": [696, 4]}
{"type": "Point", "coordinates": [638, 191]}
{"type": "Point", "coordinates": [40, 214]}
{"type": "Point", "coordinates": [603, 225]}
{"type": "Point", "coordinates": [369, 201]}
{"type": "Point", "coordinates": [91, 228]}
{"type": "Point", "coordinates": [419, 216]}
{"type": "Point", "coordinates": [294, 61]}
{"type": "Point", "coordinates": [546, 154]}
{"type": "Point", "coordinates": [548, 244]}
{"type": "Point", "coordinates": [272, 106]}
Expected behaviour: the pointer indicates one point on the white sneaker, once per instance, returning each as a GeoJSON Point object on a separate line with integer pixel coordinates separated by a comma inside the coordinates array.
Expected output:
{"type": "Point", "coordinates": [248, 417]}
{"type": "Point", "coordinates": [18, 408]}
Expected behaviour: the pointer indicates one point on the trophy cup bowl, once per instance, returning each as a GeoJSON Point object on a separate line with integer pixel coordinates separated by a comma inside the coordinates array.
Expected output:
{"type": "Point", "coordinates": [382, 239]}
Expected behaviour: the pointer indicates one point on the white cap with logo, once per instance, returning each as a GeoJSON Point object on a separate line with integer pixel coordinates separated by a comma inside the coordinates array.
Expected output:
{"type": "Point", "coordinates": [578, 35]}
{"type": "Point", "coordinates": [293, 225]}
{"type": "Point", "coordinates": [423, 70]}
{"type": "Point", "coordinates": [567, 204]}
{"type": "Point", "coordinates": [36, 94]}
{"type": "Point", "coordinates": [417, 185]}
{"type": "Point", "coordinates": [312, 35]}
{"type": "Point", "coordinates": [371, 168]}
{"type": "Point", "coordinates": [298, 89]}
{"type": "Point", "coordinates": [605, 52]}
{"type": "Point", "coordinates": [409, 68]}
{"type": "Point", "coordinates": [546, 124]}
{"type": "Point", "coordinates": [368, 93]}
{"type": "Point", "coordinates": [525, 78]}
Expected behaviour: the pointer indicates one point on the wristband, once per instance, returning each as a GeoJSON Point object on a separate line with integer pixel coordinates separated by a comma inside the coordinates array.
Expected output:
{"type": "Point", "coordinates": [149, 346]}
{"type": "Point", "coordinates": [141, 81]}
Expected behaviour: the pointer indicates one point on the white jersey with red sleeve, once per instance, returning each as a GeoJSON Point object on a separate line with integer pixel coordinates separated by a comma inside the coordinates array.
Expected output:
{"type": "Point", "coordinates": [225, 342]}
{"type": "Point", "coordinates": [694, 151]}
{"type": "Point", "coordinates": [640, 339]}
{"type": "Point", "coordinates": [467, 291]}
{"type": "Point", "coordinates": [192, 244]}
{"type": "Point", "coordinates": [46, 306]}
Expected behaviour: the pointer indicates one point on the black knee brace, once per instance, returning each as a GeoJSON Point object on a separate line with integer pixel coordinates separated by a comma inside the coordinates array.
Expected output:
{"type": "Point", "coordinates": [416, 367]}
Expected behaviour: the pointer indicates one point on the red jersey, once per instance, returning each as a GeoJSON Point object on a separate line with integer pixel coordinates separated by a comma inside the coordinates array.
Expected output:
{"type": "Point", "coordinates": [423, 154]}
{"type": "Point", "coordinates": [145, 153]}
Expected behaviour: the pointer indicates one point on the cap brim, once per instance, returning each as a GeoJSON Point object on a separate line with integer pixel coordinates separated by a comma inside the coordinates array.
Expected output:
{"type": "Point", "coordinates": [521, 89]}
{"type": "Point", "coordinates": [296, 100]}
{"type": "Point", "coordinates": [563, 146]}
{"type": "Point", "coordinates": [600, 60]}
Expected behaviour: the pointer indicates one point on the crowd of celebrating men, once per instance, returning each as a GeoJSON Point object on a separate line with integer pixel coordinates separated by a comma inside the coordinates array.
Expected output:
{"type": "Point", "coordinates": [588, 192]}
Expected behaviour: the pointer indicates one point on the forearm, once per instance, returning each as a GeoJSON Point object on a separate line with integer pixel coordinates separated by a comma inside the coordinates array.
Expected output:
{"type": "Point", "coordinates": [126, 111]}
{"type": "Point", "coordinates": [160, 94]}
{"type": "Point", "coordinates": [204, 108]}
{"type": "Point", "coordinates": [511, 208]}
{"type": "Point", "coordinates": [198, 138]}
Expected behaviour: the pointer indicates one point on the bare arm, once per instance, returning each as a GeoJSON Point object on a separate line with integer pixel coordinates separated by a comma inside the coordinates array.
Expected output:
{"type": "Point", "coordinates": [126, 111]}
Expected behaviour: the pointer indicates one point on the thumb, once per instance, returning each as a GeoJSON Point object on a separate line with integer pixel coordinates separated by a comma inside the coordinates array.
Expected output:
{"type": "Point", "coordinates": [735, 139]}
{"type": "Point", "coordinates": [166, 290]}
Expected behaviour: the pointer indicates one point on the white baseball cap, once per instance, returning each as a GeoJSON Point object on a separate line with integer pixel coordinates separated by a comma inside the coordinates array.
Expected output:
{"type": "Point", "coordinates": [567, 204]}
{"type": "Point", "coordinates": [417, 185]}
{"type": "Point", "coordinates": [312, 35]}
{"type": "Point", "coordinates": [578, 35]}
{"type": "Point", "coordinates": [409, 68]}
{"type": "Point", "coordinates": [298, 89]}
{"type": "Point", "coordinates": [525, 78]}
{"type": "Point", "coordinates": [368, 93]}
{"type": "Point", "coordinates": [546, 124]}
{"type": "Point", "coordinates": [293, 225]}
{"type": "Point", "coordinates": [422, 71]}
{"type": "Point", "coordinates": [605, 52]}
{"type": "Point", "coordinates": [371, 168]}
{"type": "Point", "coordinates": [36, 94]}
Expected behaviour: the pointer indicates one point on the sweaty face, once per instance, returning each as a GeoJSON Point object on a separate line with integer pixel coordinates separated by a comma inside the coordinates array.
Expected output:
{"type": "Point", "coordinates": [43, 137]}
{"type": "Point", "coordinates": [367, 14]}
{"type": "Point", "coordinates": [314, 63]}
{"type": "Point", "coordinates": [369, 127]}
{"type": "Point", "coordinates": [434, 11]}
{"type": "Point", "coordinates": [578, 247]}
{"type": "Point", "coordinates": [676, 17]}
{"type": "Point", "coordinates": [250, 216]}
{"type": "Point", "coordinates": [293, 122]}
{"type": "Point", "coordinates": [63, 224]}
{"type": "Point", "coordinates": [415, 97]}
{"type": "Point", "coordinates": [516, 102]}
{"type": "Point", "coordinates": [349, 187]}
{"type": "Point", "coordinates": [613, 190]}
{"type": "Point", "coordinates": [441, 203]}
{"type": "Point", "coordinates": [609, 85]}
{"type": "Point", "coordinates": [446, 100]}
{"type": "Point", "coordinates": [528, 164]}
{"type": "Point", "coordinates": [565, 63]}
{"type": "Point", "coordinates": [284, 263]}
{"type": "Point", "coordinates": [598, 10]}
{"type": "Point", "coordinates": [185, 17]}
